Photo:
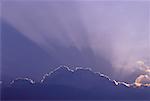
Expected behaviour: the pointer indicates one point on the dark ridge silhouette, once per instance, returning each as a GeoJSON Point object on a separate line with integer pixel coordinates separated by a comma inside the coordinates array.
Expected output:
{"type": "Point", "coordinates": [79, 84]}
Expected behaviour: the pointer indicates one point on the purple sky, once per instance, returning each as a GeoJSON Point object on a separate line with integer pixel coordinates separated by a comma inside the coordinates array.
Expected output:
{"type": "Point", "coordinates": [117, 31]}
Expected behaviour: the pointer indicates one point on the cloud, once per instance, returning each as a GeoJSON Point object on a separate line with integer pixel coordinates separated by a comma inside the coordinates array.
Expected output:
{"type": "Point", "coordinates": [65, 69]}
{"type": "Point", "coordinates": [143, 79]}
{"type": "Point", "coordinates": [30, 81]}
{"type": "Point", "coordinates": [102, 87]}
{"type": "Point", "coordinates": [119, 31]}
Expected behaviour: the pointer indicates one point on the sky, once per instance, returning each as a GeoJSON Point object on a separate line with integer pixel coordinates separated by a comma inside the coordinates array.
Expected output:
{"type": "Point", "coordinates": [107, 36]}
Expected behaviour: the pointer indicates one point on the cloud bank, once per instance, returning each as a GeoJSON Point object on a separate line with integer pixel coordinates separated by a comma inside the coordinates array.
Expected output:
{"type": "Point", "coordinates": [65, 84]}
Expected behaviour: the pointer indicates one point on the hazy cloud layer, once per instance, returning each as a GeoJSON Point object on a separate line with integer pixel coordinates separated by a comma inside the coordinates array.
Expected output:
{"type": "Point", "coordinates": [118, 31]}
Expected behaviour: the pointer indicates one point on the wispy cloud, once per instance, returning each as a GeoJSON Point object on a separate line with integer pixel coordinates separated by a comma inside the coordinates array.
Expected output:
{"type": "Point", "coordinates": [119, 31]}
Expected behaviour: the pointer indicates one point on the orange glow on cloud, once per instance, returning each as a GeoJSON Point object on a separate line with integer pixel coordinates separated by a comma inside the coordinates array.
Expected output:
{"type": "Point", "coordinates": [143, 79]}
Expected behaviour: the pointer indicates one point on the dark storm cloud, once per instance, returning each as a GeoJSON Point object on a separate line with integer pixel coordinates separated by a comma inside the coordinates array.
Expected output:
{"type": "Point", "coordinates": [80, 84]}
